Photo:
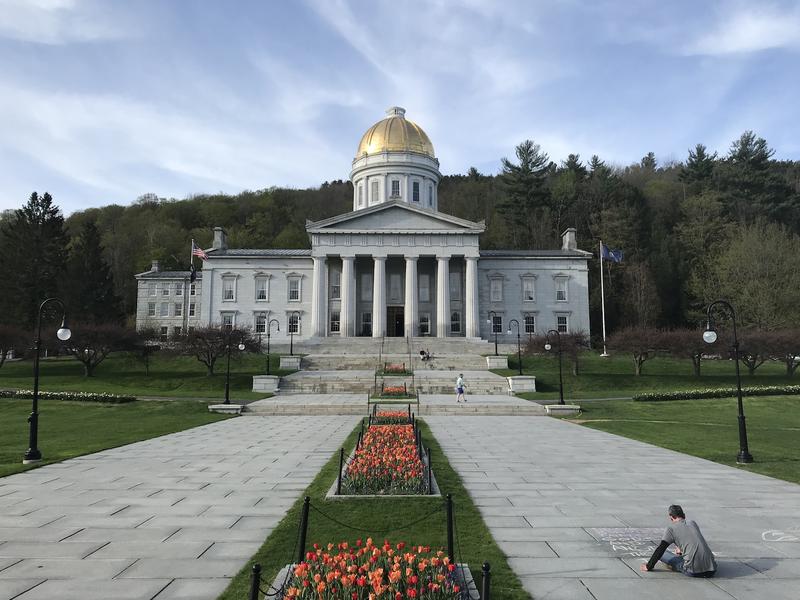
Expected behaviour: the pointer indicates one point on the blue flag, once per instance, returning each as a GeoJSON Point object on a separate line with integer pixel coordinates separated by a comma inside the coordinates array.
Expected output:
{"type": "Point", "coordinates": [612, 255]}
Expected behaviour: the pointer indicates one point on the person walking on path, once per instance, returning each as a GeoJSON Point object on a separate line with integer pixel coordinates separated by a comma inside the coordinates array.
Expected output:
{"type": "Point", "coordinates": [692, 557]}
{"type": "Point", "coordinates": [460, 388]}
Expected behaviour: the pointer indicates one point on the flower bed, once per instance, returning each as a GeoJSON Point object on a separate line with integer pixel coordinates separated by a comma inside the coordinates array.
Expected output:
{"type": "Point", "coordinates": [395, 369]}
{"type": "Point", "coordinates": [394, 391]}
{"type": "Point", "coordinates": [70, 396]}
{"type": "Point", "coordinates": [387, 462]}
{"type": "Point", "coordinates": [367, 572]}
{"type": "Point", "coordinates": [767, 390]}
{"type": "Point", "coordinates": [391, 417]}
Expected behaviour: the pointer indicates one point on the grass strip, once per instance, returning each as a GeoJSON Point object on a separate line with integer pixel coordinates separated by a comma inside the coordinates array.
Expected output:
{"type": "Point", "coordinates": [68, 429]}
{"type": "Point", "coordinates": [389, 515]}
{"type": "Point", "coordinates": [709, 429]}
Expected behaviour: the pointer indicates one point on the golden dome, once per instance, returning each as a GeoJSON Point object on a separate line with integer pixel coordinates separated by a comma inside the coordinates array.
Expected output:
{"type": "Point", "coordinates": [395, 133]}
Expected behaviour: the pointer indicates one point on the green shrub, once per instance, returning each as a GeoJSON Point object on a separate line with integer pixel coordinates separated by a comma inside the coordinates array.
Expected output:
{"type": "Point", "coordinates": [70, 396]}
{"type": "Point", "coordinates": [766, 390]}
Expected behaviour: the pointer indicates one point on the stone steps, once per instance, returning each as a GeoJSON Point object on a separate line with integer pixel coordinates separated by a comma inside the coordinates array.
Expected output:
{"type": "Point", "coordinates": [304, 408]}
{"type": "Point", "coordinates": [442, 362]}
{"type": "Point", "coordinates": [363, 381]}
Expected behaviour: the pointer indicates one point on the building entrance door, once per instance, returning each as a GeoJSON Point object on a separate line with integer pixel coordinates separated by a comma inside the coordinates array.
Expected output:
{"type": "Point", "coordinates": [395, 321]}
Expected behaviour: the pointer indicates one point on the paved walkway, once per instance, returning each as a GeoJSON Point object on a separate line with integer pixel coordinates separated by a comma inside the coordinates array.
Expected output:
{"type": "Point", "coordinates": [168, 518]}
{"type": "Point", "coordinates": [577, 511]}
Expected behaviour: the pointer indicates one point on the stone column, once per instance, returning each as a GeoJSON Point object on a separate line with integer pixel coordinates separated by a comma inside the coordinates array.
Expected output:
{"type": "Point", "coordinates": [319, 294]}
{"type": "Point", "coordinates": [348, 313]}
{"type": "Point", "coordinates": [411, 310]}
{"type": "Point", "coordinates": [379, 297]}
{"type": "Point", "coordinates": [442, 295]}
{"type": "Point", "coordinates": [472, 318]}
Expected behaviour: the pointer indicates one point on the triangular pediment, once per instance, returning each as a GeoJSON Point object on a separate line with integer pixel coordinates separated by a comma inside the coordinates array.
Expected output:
{"type": "Point", "coordinates": [394, 216]}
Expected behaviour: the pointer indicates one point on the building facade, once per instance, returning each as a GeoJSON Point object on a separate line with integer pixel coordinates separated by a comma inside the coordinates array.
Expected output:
{"type": "Point", "coordinates": [394, 266]}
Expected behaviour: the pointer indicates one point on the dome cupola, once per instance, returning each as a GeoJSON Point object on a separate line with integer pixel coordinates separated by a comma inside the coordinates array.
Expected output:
{"type": "Point", "coordinates": [395, 162]}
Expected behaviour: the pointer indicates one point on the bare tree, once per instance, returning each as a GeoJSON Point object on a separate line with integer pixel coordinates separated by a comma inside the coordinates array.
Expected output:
{"type": "Point", "coordinates": [90, 343]}
{"type": "Point", "coordinates": [12, 339]}
{"type": "Point", "coordinates": [755, 347]}
{"type": "Point", "coordinates": [572, 345]}
{"type": "Point", "coordinates": [786, 348]}
{"type": "Point", "coordinates": [688, 343]}
{"type": "Point", "coordinates": [641, 342]}
{"type": "Point", "coordinates": [207, 344]}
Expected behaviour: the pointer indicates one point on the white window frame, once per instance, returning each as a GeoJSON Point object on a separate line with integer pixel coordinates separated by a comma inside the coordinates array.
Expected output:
{"type": "Point", "coordinates": [152, 289]}
{"type": "Point", "coordinates": [424, 323]}
{"type": "Point", "coordinates": [164, 333]}
{"type": "Point", "coordinates": [193, 289]}
{"type": "Point", "coordinates": [375, 191]}
{"type": "Point", "coordinates": [292, 281]}
{"type": "Point", "coordinates": [226, 316]}
{"type": "Point", "coordinates": [395, 188]}
{"type": "Point", "coordinates": [366, 319]}
{"type": "Point", "coordinates": [261, 283]}
{"type": "Point", "coordinates": [163, 310]}
{"type": "Point", "coordinates": [496, 289]}
{"type": "Point", "coordinates": [177, 330]}
{"type": "Point", "coordinates": [177, 309]}
{"type": "Point", "coordinates": [430, 195]}
{"type": "Point", "coordinates": [497, 324]}
{"type": "Point", "coordinates": [532, 328]}
{"type": "Point", "coordinates": [565, 327]}
{"type": "Point", "coordinates": [336, 321]}
{"type": "Point", "coordinates": [455, 322]}
{"type": "Point", "coordinates": [260, 322]}
{"type": "Point", "coordinates": [360, 194]}
{"type": "Point", "coordinates": [336, 285]}
{"type": "Point", "coordinates": [529, 280]}
{"type": "Point", "coordinates": [294, 322]}
{"type": "Point", "coordinates": [191, 309]}
{"type": "Point", "coordinates": [424, 291]}
{"type": "Point", "coordinates": [151, 309]}
{"type": "Point", "coordinates": [179, 289]}
{"type": "Point", "coordinates": [562, 288]}
{"type": "Point", "coordinates": [415, 191]}
{"type": "Point", "coordinates": [164, 289]}
{"type": "Point", "coordinates": [228, 280]}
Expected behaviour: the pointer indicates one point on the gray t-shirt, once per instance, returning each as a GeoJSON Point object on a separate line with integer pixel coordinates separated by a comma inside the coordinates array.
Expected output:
{"type": "Point", "coordinates": [697, 556]}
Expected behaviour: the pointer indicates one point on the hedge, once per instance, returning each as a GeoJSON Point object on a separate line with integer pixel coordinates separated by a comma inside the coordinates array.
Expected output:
{"type": "Point", "coordinates": [767, 390]}
{"type": "Point", "coordinates": [70, 396]}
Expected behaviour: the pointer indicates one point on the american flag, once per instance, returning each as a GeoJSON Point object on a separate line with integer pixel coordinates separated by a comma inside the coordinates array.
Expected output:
{"type": "Point", "coordinates": [197, 251]}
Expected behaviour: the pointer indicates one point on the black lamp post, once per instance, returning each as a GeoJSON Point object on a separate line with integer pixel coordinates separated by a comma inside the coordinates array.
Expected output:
{"type": "Point", "coordinates": [228, 372]}
{"type": "Point", "coordinates": [519, 350]}
{"type": "Point", "coordinates": [491, 322]}
{"type": "Point", "coordinates": [548, 347]}
{"type": "Point", "coordinates": [33, 454]}
{"type": "Point", "coordinates": [269, 327]}
{"type": "Point", "coordinates": [709, 337]}
{"type": "Point", "coordinates": [291, 330]}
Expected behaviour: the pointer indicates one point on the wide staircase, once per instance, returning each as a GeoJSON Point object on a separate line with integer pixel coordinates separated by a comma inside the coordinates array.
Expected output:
{"type": "Point", "coordinates": [353, 365]}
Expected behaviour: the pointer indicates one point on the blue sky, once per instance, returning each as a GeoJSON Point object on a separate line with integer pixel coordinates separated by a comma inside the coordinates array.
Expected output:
{"type": "Point", "coordinates": [103, 101]}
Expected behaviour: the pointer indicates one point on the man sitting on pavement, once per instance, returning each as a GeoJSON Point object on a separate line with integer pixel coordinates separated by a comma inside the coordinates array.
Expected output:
{"type": "Point", "coordinates": [692, 557]}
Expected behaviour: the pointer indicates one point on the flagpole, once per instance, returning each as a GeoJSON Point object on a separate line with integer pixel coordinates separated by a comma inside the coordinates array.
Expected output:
{"type": "Point", "coordinates": [186, 291]}
{"type": "Point", "coordinates": [603, 299]}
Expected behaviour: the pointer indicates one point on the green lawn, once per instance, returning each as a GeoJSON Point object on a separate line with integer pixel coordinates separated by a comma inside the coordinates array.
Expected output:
{"type": "Point", "coordinates": [613, 377]}
{"type": "Point", "coordinates": [709, 429]}
{"type": "Point", "coordinates": [174, 376]}
{"type": "Point", "coordinates": [384, 519]}
{"type": "Point", "coordinates": [68, 429]}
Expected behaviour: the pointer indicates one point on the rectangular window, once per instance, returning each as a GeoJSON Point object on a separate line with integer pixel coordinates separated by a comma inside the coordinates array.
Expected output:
{"type": "Point", "coordinates": [165, 289]}
{"type": "Point", "coordinates": [563, 323]}
{"type": "Point", "coordinates": [336, 285]}
{"type": "Point", "coordinates": [496, 290]}
{"type": "Point", "coordinates": [164, 312]}
{"type": "Point", "coordinates": [192, 289]}
{"type": "Point", "coordinates": [261, 288]}
{"type": "Point", "coordinates": [497, 324]}
{"type": "Point", "coordinates": [366, 323]}
{"type": "Point", "coordinates": [528, 291]}
{"type": "Point", "coordinates": [360, 195]}
{"type": "Point", "coordinates": [335, 321]}
{"type": "Point", "coordinates": [178, 310]}
{"type": "Point", "coordinates": [395, 188]}
{"type": "Point", "coordinates": [425, 324]}
{"type": "Point", "coordinates": [163, 333]}
{"type": "Point", "coordinates": [294, 289]}
{"type": "Point", "coordinates": [177, 331]}
{"type": "Point", "coordinates": [375, 189]}
{"type": "Point", "coordinates": [530, 324]}
{"type": "Point", "coordinates": [191, 309]}
{"type": "Point", "coordinates": [424, 287]}
{"type": "Point", "coordinates": [179, 288]}
{"type": "Point", "coordinates": [227, 321]}
{"type": "Point", "coordinates": [455, 286]}
{"type": "Point", "coordinates": [151, 309]}
{"type": "Point", "coordinates": [366, 287]}
{"type": "Point", "coordinates": [455, 322]}
{"type": "Point", "coordinates": [229, 289]}
{"type": "Point", "coordinates": [261, 323]}
{"type": "Point", "coordinates": [561, 290]}
{"type": "Point", "coordinates": [395, 287]}
{"type": "Point", "coordinates": [294, 324]}
{"type": "Point", "coordinates": [151, 289]}
{"type": "Point", "coordinates": [430, 195]}
{"type": "Point", "coordinates": [415, 191]}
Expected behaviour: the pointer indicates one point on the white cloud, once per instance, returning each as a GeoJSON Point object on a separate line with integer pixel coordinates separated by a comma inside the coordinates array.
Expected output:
{"type": "Point", "coordinates": [750, 29]}
{"type": "Point", "coordinates": [59, 22]}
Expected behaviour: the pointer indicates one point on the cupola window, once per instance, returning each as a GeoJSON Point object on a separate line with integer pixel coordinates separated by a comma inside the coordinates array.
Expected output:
{"type": "Point", "coordinates": [415, 191]}
{"type": "Point", "coordinates": [395, 188]}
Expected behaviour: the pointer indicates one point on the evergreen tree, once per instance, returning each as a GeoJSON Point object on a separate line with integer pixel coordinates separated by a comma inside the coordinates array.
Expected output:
{"type": "Point", "coordinates": [699, 166]}
{"type": "Point", "coordinates": [89, 287]}
{"type": "Point", "coordinates": [32, 259]}
{"type": "Point", "coordinates": [574, 165]}
{"type": "Point", "coordinates": [648, 162]}
{"type": "Point", "coordinates": [527, 192]}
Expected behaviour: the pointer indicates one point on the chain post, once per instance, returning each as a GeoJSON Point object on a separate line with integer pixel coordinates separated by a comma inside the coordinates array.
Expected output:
{"type": "Point", "coordinates": [486, 592]}
{"type": "Point", "coordinates": [450, 549]}
{"type": "Point", "coordinates": [255, 582]}
{"type": "Point", "coordinates": [301, 551]}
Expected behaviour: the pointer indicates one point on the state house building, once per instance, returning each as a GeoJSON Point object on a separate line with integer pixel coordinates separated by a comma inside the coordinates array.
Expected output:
{"type": "Point", "coordinates": [394, 266]}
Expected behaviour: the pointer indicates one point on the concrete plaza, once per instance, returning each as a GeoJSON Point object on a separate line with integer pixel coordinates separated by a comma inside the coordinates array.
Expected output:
{"type": "Point", "coordinates": [168, 518]}
{"type": "Point", "coordinates": [577, 511]}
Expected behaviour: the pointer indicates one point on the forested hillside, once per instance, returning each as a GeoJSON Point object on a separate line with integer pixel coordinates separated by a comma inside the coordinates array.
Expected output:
{"type": "Point", "coordinates": [708, 227]}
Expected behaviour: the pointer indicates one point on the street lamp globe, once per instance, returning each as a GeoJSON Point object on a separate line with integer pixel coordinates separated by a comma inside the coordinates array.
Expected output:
{"type": "Point", "coordinates": [547, 346]}
{"type": "Point", "coordinates": [709, 336]}
{"type": "Point", "coordinates": [63, 332]}
{"type": "Point", "coordinates": [241, 346]}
